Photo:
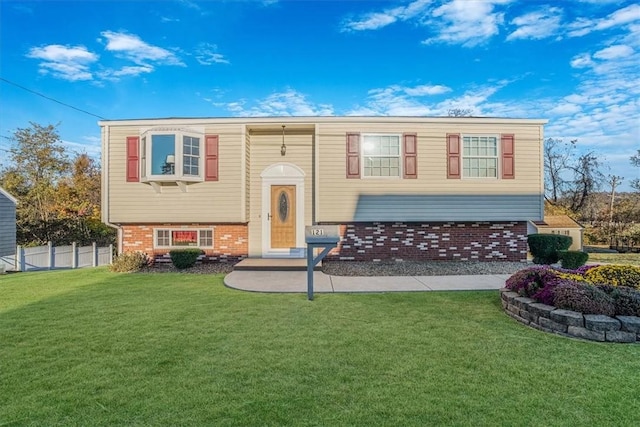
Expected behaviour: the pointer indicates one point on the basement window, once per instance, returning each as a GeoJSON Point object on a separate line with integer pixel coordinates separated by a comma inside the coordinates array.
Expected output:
{"type": "Point", "coordinates": [183, 238]}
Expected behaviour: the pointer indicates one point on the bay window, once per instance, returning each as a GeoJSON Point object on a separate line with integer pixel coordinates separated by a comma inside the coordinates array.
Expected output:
{"type": "Point", "coordinates": [171, 155]}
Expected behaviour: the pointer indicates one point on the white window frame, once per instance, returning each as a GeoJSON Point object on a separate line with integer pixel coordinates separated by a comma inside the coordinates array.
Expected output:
{"type": "Point", "coordinates": [363, 156]}
{"type": "Point", "coordinates": [496, 157]}
{"type": "Point", "coordinates": [146, 145]}
{"type": "Point", "coordinates": [171, 230]}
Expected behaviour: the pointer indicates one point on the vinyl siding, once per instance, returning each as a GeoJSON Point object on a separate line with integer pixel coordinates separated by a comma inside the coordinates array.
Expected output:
{"type": "Point", "coordinates": [396, 199]}
{"type": "Point", "coordinates": [7, 226]}
{"type": "Point", "coordinates": [216, 201]}
{"type": "Point", "coordinates": [264, 152]}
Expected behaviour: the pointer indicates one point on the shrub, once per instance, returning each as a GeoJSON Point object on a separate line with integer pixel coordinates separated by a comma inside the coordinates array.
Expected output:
{"type": "Point", "coordinates": [615, 275]}
{"type": "Point", "coordinates": [584, 298]}
{"type": "Point", "coordinates": [625, 300]}
{"type": "Point", "coordinates": [184, 258]}
{"type": "Point", "coordinates": [545, 247]}
{"type": "Point", "coordinates": [528, 281]}
{"type": "Point", "coordinates": [128, 262]}
{"type": "Point", "coordinates": [572, 259]}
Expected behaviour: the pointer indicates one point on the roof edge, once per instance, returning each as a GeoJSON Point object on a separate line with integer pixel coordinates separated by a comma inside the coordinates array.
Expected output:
{"type": "Point", "coordinates": [317, 119]}
{"type": "Point", "coordinates": [8, 196]}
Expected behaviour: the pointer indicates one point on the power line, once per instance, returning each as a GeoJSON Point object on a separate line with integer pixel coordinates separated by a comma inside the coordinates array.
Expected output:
{"type": "Point", "coordinates": [50, 99]}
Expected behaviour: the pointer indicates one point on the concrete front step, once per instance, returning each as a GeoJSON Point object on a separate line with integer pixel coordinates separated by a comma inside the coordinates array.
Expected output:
{"type": "Point", "coordinates": [274, 264]}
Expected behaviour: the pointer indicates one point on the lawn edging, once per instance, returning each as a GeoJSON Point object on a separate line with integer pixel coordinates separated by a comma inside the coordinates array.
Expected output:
{"type": "Point", "coordinates": [547, 318]}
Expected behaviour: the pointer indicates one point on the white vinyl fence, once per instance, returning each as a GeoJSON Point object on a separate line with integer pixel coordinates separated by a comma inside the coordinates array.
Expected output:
{"type": "Point", "coordinates": [58, 257]}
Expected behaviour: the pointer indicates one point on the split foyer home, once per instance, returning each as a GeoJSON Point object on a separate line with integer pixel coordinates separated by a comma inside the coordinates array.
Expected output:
{"type": "Point", "coordinates": [400, 188]}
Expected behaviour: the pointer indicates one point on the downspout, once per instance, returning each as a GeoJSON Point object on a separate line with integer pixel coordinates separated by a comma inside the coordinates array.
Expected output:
{"type": "Point", "coordinates": [105, 186]}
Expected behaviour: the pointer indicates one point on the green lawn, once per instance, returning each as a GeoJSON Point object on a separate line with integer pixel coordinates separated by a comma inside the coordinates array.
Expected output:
{"type": "Point", "coordinates": [90, 348]}
{"type": "Point", "coordinates": [627, 258]}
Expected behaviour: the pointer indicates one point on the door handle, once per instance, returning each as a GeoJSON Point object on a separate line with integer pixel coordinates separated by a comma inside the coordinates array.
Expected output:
{"type": "Point", "coordinates": [269, 217]}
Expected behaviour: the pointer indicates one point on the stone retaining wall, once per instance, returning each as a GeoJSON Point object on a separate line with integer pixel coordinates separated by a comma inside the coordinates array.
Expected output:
{"type": "Point", "coordinates": [594, 327]}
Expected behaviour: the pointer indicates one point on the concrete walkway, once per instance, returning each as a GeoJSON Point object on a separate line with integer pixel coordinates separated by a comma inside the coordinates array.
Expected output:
{"type": "Point", "coordinates": [296, 281]}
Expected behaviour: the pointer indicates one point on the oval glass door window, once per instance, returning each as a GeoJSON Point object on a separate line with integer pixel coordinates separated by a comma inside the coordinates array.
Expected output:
{"type": "Point", "coordinates": [283, 206]}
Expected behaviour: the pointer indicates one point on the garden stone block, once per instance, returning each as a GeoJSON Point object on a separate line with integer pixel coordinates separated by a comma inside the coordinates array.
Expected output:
{"type": "Point", "coordinates": [513, 309]}
{"type": "Point", "coordinates": [601, 323]}
{"type": "Point", "coordinates": [519, 319]}
{"type": "Point", "coordinates": [523, 302]}
{"type": "Point", "coordinates": [510, 296]}
{"type": "Point", "coordinates": [529, 316]}
{"type": "Point", "coordinates": [568, 317]}
{"type": "Point", "coordinates": [580, 332]}
{"type": "Point", "coordinates": [540, 309]}
{"type": "Point", "coordinates": [630, 323]}
{"type": "Point", "coordinates": [550, 324]}
{"type": "Point", "coordinates": [620, 336]}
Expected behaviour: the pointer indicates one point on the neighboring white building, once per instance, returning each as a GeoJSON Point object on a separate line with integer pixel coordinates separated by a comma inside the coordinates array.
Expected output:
{"type": "Point", "coordinates": [560, 224]}
{"type": "Point", "coordinates": [7, 228]}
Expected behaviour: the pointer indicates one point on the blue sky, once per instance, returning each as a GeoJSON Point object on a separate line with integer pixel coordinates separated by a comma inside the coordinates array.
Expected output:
{"type": "Point", "coordinates": [573, 62]}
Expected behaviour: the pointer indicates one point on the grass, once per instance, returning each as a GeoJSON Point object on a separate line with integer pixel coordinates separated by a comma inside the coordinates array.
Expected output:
{"type": "Point", "coordinates": [626, 258]}
{"type": "Point", "coordinates": [90, 347]}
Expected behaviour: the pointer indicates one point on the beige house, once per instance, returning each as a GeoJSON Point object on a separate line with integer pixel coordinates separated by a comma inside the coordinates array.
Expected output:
{"type": "Point", "coordinates": [400, 187]}
{"type": "Point", "coordinates": [560, 224]}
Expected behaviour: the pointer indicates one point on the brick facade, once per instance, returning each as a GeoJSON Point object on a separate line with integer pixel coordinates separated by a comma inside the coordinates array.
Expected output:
{"type": "Point", "coordinates": [230, 241]}
{"type": "Point", "coordinates": [460, 241]}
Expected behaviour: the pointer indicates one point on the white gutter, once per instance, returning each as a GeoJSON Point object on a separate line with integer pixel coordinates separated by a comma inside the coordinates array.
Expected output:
{"type": "Point", "coordinates": [104, 197]}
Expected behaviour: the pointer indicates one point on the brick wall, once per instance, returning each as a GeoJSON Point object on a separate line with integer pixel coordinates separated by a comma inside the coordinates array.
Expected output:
{"type": "Point", "coordinates": [463, 241]}
{"type": "Point", "coordinates": [230, 241]}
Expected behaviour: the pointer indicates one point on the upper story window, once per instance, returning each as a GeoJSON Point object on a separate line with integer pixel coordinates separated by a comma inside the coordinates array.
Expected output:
{"type": "Point", "coordinates": [479, 156]}
{"type": "Point", "coordinates": [171, 155]}
{"type": "Point", "coordinates": [381, 155]}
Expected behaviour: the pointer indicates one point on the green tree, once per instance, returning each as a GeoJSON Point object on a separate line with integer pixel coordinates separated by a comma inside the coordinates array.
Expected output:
{"type": "Point", "coordinates": [59, 199]}
{"type": "Point", "coordinates": [38, 161]}
{"type": "Point", "coordinates": [78, 203]}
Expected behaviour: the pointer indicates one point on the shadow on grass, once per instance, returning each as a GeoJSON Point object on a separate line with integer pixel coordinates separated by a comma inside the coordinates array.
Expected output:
{"type": "Point", "coordinates": [177, 349]}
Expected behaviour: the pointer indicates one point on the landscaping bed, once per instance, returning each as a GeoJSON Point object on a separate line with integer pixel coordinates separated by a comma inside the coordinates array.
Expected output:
{"type": "Point", "coordinates": [599, 303]}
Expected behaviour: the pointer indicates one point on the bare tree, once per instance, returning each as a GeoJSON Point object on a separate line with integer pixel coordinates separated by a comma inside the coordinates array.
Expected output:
{"type": "Point", "coordinates": [635, 161]}
{"type": "Point", "coordinates": [587, 179]}
{"type": "Point", "coordinates": [557, 159]}
{"type": "Point", "coordinates": [460, 112]}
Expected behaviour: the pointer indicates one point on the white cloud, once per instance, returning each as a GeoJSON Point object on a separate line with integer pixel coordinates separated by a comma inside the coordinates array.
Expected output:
{"type": "Point", "coordinates": [206, 54]}
{"type": "Point", "coordinates": [582, 61]}
{"type": "Point", "coordinates": [614, 52]}
{"type": "Point", "coordinates": [64, 62]}
{"type": "Point", "coordinates": [626, 15]}
{"type": "Point", "coordinates": [287, 103]}
{"type": "Point", "coordinates": [127, 71]}
{"type": "Point", "coordinates": [396, 100]}
{"type": "Point", "coordinates": [424, 90]}
{"type": "Point", "coordinates": [464, 22]}
{"type": "Point", "coordinates": [377, 20]}
{"type": "Point", "coordinates": [537, 25]}
{"type": "Point", "coordinates": [134, 49]}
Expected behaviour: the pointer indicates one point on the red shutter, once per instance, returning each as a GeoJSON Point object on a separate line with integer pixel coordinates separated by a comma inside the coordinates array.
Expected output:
{"type": "Point", "coordinates": [211, 157]}
{"type": "Point", "coordinates": [133, 159]}
{"type": "Point", "coordinates": [409, 155]}
{"type": "Point", "coordinates": [508, 152]}
{"type": "Point", "coordinates": [353, 155]}
{"type": "Point", "coordinates": [453, 155]}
